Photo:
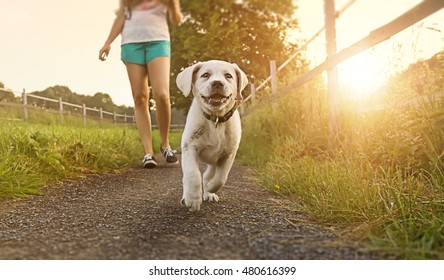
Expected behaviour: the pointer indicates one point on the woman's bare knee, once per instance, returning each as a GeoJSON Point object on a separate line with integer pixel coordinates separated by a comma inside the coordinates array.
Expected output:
{"type": "Point", "coordinates": [162, 97]}
{"type": "Point", "coordinates": [140, 100]}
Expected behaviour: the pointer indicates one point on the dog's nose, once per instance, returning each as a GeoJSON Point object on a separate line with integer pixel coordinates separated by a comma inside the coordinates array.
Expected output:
{"type": "Point", "coordinates": [217, 84]}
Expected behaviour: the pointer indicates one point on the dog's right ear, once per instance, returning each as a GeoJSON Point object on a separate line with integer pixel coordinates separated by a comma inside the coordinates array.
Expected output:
{"type": "Point", "coordinates": [184, 79]}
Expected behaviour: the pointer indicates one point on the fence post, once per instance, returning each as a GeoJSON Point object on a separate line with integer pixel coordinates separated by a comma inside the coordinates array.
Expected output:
{"type": "Point", "coordinates": [84, 114]}
{"type": "Point", "coordinates": [60, 105]}
{"type": "Point", "coordinates": [61, 108]}
{"type": "Point", "coordinates": [273, 74]}
{"type": "Point", "coordinates": [101, 113]}
{"type": "Point", "coordinates": [332, 73]}
{"type": "Point", "coordinates": [114, 118]}
{"type": "Point", "coordinates": [253, 93]}
{"type": "Point", "coordinates": [25, 105]}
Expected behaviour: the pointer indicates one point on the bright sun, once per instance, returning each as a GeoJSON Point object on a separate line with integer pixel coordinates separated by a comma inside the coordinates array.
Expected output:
{"type": "Point", "coordinates": [361, 75]}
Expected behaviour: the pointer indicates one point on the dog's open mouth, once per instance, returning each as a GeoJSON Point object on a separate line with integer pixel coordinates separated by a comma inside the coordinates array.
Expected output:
{"type": "Point", "coordinates": [216, 100]}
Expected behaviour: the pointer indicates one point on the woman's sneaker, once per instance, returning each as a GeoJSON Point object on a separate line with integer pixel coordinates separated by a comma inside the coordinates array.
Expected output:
{"type": "Point", "coordinates": [169, 155]}
{"type": "Point", "coordinates": [149, 161]}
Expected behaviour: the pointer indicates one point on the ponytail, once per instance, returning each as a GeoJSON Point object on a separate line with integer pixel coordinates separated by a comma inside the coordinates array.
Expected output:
{"type": "Point", "coordinates": [128, 12]}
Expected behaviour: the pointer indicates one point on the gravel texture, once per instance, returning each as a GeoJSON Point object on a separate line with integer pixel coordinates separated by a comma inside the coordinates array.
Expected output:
{"type": "Point", "coordinates": [137, 215]}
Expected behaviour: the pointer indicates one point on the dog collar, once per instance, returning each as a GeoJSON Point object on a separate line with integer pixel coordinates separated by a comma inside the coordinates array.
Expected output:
{"type": "Point", "coordinates": [220, 119]}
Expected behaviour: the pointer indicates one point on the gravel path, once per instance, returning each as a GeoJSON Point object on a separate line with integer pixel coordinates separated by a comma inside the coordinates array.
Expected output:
{"type": "Point", "coordinates": [137, 215]}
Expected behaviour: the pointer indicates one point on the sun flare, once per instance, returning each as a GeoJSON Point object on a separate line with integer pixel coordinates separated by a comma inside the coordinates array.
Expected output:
{"type": "Point", "coordinates": [361, 75]}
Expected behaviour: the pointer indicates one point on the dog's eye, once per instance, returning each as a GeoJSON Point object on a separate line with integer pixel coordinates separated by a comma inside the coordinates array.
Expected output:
{"type": "Point", "coordinates": [205, 75]}
{"type": "Point", "coordinates": [228, 76]}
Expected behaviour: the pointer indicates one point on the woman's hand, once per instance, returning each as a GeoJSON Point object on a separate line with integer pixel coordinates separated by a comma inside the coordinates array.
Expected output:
{"type": "Point", "coordinates": [116, 29]}
{"type": "Point", "coordinates": [104, 52]}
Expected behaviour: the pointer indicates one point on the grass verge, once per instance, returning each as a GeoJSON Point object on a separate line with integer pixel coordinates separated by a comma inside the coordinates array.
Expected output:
{"type": "Point", "coordinates": [34, 155]}
{"type": "Point", "coordinates": [383, 175]}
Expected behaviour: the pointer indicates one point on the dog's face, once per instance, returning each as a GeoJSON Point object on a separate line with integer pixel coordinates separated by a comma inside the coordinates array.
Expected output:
{"type": "Point", "coordinates": [215, 84]}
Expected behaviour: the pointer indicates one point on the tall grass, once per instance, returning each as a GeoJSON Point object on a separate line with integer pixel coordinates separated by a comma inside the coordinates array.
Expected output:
{"type": "Point", "coordinates": [34, 155]}
{"type": "Point", "coordinates": [383, 174]}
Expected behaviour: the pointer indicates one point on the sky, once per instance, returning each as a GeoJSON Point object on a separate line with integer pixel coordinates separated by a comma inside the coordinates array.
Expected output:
{"type": "Point", "coordinates": [52, 42]}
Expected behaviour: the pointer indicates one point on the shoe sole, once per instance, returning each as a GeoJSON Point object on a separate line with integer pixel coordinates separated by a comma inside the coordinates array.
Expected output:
{"type": "Point", "coordinates": [149, 165]}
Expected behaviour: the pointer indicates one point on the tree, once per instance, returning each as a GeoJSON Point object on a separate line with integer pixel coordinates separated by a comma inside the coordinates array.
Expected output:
{"type": "Point", "coordinates": [7, 96]}
{"type": "Point", "coordinates": [102, 100]}
{"type": "Point", "coordinates": [249, 33]}
{"type": "Point", "coordinates": [55, 92]}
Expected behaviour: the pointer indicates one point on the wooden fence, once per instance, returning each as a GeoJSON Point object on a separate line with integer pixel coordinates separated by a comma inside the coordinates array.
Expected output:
{"type": "Point", "coordinates": [177, 116]}
{"type": "Point", "coordinates": [412, 16]}
{"type": "Point", "coordinates": [81, 110]}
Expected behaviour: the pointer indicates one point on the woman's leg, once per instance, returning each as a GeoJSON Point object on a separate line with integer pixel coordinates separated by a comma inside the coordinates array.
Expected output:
{"type": "Point", "coordinates": [159, 73]}
{"type": "Point", "coordinates": [138, 77]}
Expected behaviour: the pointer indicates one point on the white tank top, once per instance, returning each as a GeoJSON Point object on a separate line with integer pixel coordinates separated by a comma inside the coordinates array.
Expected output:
{"type": "Point", "coordinates": [146, 22]}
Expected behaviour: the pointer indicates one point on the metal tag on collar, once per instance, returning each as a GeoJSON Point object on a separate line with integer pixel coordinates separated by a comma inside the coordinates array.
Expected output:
{"type": "Point", "coordinates": [217, 120]}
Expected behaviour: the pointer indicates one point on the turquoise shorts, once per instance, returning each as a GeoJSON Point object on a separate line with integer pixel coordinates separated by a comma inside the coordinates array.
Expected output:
{"type": "Point", "coordinates": [143, 53]}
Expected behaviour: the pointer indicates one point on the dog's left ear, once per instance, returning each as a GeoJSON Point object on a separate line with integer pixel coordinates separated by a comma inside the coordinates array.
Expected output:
{"type": "Point", "coordinates": [184, 79]}
{"type": "Point", "coordinates": [242, 81]}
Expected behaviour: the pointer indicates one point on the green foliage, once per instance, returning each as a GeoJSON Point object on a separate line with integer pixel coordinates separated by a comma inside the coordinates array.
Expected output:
{"type": "Point", "coordinates": [249, 33]}
{"type": "Point", "coordinates": [382, 176]}
{"type": "Point", "coordinates": [7, 96]}
{"type": "Point", "coordinates": [419, 79]}
{"type": "Point", "coordinates": [34, 155]}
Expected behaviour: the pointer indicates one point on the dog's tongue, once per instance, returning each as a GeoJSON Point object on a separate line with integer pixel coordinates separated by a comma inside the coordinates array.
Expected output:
{"type": "Point", "coordinates": [216, 97]}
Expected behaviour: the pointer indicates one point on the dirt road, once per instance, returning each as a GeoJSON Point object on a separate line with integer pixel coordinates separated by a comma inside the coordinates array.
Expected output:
{"type": "Point", "coordinates": [137, 215]}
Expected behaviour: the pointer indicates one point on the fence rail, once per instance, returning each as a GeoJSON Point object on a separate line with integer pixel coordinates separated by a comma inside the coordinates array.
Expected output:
{"type": "Point", "coordinates": [116, 118]}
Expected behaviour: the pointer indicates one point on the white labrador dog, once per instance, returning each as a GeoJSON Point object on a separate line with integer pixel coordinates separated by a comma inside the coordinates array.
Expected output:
{"type": "Point", "coordinates": [213, 128]}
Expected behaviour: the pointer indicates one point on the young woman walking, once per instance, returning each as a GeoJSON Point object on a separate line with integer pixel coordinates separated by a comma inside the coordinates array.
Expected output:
{"type": "Point", "coordinates": [146, 51]}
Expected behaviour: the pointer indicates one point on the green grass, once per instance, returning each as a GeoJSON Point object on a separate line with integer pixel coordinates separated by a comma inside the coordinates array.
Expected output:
{"type": "Point", "coordinates": [34, 155]}
{"type": "Point", "coordinates": [381, 179]}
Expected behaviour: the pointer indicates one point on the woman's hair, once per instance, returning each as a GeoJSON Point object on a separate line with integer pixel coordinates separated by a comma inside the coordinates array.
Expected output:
{"type": "Point", "coordinates": [129, 4]}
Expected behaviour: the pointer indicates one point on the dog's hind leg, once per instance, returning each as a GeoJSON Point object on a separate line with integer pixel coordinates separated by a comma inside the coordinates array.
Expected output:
{"type": "Point", "coordinates": [208, 174]}
{"type": "Point", "coordinates": [207, 178]}
{"type": "Point", "coordinates": [218, 180]}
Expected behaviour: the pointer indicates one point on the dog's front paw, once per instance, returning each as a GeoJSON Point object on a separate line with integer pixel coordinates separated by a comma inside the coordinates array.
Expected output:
{"type": "Point", "coordinates": [192, 204]}
{"type": "Point", "coordinates": [211, 197]}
